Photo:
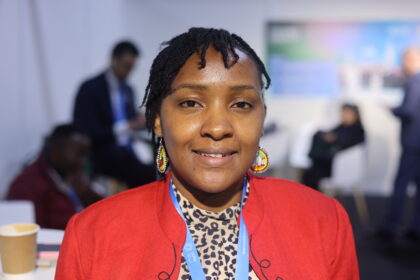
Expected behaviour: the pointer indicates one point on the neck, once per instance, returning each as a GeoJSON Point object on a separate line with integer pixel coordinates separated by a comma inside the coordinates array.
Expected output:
{"type": "Point", "coordinates": [114, 75]}
{"type": "Point", "coordinates": [215, 202]}
{"type": "Point", "coordinates": [52, 165]}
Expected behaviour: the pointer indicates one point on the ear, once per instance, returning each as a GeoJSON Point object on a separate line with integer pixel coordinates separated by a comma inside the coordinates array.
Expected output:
{"type": "Point", "coordinates": [265, 114]}
{"type": "Point", "coordinates": [113, 60]}
{"type": "Point", "coordinates": [157, 126]}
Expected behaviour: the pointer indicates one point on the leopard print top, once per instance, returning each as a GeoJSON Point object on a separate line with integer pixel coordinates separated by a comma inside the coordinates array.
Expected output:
{"type": "Point", "coordinates": [215, 236]}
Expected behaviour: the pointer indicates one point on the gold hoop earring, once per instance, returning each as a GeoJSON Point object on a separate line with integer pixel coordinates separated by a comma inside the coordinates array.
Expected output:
{"type": "Point", "coordinates": [261, 162]}
{"type": "Point", "coordinates": [161, 158]}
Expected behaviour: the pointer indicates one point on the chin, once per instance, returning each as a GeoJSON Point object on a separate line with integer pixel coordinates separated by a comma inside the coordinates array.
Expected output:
{"type": "Point", "coordinates": [213, 180]}
{"type": "Point", "coordinates": [216, 183]}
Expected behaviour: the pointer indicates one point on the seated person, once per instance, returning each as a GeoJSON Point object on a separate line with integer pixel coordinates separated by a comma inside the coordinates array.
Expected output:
{"type": "Point", "coordinates": [326, 144]}
{"type": "Point", "coordinates": [56, 182]}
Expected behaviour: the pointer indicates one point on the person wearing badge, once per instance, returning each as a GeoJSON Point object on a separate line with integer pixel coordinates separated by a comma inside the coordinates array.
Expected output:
{"type": "Point", "coordinates": [209, 216]}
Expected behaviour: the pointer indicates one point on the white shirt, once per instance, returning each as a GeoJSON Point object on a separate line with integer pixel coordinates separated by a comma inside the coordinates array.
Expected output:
{"type": "Point", "coordinates": [121, 128]}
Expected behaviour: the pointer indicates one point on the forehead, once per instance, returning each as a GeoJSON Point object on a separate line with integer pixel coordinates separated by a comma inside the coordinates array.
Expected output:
{"type": "Point", "coordinates": [77, 140]}
{"type": "Point", "coordinates": [125, 57]}
{"type": "Point", "coordinates": [244, 71]}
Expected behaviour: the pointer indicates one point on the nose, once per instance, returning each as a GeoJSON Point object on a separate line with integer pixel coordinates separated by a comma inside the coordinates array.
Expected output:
{"type": "Point", "coordinates": [217, 125]}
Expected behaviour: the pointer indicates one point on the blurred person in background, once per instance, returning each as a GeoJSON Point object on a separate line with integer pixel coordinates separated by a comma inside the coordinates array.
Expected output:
{"type": "Point", "coordinates": [409, 166]}
{"type": "Point", "coordinates": [326, 144]}
{"type": "Point", "coordinates": [105, 108]}
{"type": "Point", "coordinates": [56, 181]}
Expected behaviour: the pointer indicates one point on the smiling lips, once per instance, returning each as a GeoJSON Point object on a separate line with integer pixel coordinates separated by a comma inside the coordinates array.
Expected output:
{"type": "Point", "coordinates": [214, 158]}
{"type": "Point", "coordinates": [214, 155]}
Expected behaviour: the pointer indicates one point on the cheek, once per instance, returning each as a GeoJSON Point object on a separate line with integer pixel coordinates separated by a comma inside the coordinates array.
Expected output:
{"type": "Point", "coordinates": [251, 129]}
{"type": "Point", "coordinates": [178, 133]}
{"type": "Point", "coordinates": [249, 136]}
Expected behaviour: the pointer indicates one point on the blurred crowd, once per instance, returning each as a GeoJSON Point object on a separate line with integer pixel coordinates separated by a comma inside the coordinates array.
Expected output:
{"type": "Point", "coordinates": [103, 151]}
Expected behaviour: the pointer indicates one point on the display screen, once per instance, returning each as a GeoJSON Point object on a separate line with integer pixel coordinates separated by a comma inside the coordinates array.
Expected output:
{"type": "Point", "coordinates": [325, 59]}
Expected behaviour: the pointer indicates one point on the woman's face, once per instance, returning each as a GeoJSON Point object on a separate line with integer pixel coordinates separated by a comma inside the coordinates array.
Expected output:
{"type": "Point", "coordinates": [212, 122]}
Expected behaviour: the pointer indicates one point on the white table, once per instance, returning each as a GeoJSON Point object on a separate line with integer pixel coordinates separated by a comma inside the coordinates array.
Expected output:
{"type": "Point", "coordinates": [45, 236]}
{"type": "Point", "coordinates": [50, 236]}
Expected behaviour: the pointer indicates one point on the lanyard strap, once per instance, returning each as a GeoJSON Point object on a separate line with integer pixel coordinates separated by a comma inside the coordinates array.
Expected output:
{"type": "Point", "coordinates": [190, 251]}
{"type": "Point", "coordinates": [72, 195]}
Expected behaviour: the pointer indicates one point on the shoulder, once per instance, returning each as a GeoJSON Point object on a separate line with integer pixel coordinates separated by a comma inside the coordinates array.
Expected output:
{"type": "Point", "coordinates": [94, 82]}
{"type": "Point", "coordinates": [291, 207]}
{"type": "Point", "coordinates": [286, 188]}
{"type": "Point", "coordinates": [414, 83]}
{"type": "Point", "coordinates": [290, 196]}
{"type": "Point", "coordinates": [121, 209]}
{"type": "Point", "coordinates": [33, 179]}
{"type": "Point", "coordinates": [416, 77]}
{"type": "Point", "coordinates": [34, 174]}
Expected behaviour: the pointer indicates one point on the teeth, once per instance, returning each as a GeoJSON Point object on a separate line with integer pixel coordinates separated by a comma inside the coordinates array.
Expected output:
{"type": "Point", "coordinates": [212, 155]}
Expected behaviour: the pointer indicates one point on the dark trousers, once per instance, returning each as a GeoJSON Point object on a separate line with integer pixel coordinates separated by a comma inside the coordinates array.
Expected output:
{"type": "Point", "coordinates": [408, 171]}
{"type": "Point", "coordinates": [321, 168]}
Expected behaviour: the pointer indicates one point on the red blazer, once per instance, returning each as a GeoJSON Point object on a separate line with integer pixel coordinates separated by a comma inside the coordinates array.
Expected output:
{"type": "Point", "coordinates": [295, 233]}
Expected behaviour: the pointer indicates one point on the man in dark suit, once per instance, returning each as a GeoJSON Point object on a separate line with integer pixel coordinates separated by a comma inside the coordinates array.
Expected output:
{"type": "Point", "coordinates": [409, 168]}
{"type": "Point", "coordinates": [105, 108]}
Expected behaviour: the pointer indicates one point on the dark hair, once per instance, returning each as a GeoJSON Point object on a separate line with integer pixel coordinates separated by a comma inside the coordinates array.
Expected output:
{"type": "Point", "coordinates": [60, 133]}
{"type": "Point", "coordinates": [176, 51]}
{"type": "Point", "coordinates": [124, 47]}
{"type": "Point", "coordinates": [355, 109]}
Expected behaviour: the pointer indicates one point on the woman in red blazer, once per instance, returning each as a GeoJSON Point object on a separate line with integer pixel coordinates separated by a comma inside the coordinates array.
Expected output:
{"type": "Point", "coordinates": [209, 217]}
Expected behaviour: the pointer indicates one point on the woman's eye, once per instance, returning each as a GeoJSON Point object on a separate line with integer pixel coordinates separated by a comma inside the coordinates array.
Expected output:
{"type": "Point", "coordinates": [242, 105]}
{"type": "Point", "coordinates": [189, 103]}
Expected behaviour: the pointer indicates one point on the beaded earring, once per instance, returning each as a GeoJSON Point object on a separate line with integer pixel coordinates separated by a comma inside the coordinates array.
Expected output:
{"type": "Point", "coordinates": [161, 158]}
{"type": "Point", "coordinates": [260, 164]}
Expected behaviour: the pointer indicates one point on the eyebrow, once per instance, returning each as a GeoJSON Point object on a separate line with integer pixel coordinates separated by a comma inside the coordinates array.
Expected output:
{"type": "Point", "coordinates": [202, 87]}
{"type": "Point", "coordinates": [189, 86]}
{"type": "Point", "coordinates": [242, 87]}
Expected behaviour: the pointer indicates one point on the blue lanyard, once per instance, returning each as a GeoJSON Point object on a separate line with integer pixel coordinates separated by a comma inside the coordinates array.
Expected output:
{"type": "Point", "coordinates": [72, 195]}
{"type": "Point", "coordinates": [190, 251]}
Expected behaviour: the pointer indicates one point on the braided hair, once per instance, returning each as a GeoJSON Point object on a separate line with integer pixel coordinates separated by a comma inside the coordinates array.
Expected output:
{"type": "Point", "coordinates": [175, 53]}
